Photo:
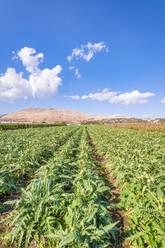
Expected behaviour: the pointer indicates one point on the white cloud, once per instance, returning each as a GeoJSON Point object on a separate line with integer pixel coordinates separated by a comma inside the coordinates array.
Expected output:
{"type": "Point", "coordinates": [13, 86]}
{"type": "Point", "coordinates": [41, 83]}
{"type": "Point", "coordinates": [128, 98]}
{"type": "Point", "coordinates": [75, 97]}
{"type": "Point", "coordinates": [76, 71]}
{"type": "Point", "coordinates": [100, 96]}
{"type": "Point", "coordinates": [163, 100]}
{"type": "Point", "coordinates": [29, 60]}
{"type": "Point", "coordinates": [87, 51]}
{"type": "Point", "coordinates": [71, 68]}
{"type": "Point", "coordinates": [132, 97]}
{"type": "Point", "coordinates": [78, 75]}
{"type": "Point", "coordinates": [46, 82]}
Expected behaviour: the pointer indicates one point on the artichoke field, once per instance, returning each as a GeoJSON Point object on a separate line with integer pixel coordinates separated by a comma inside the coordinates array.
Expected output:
{"type": "Point", "coordinates": [137, 160]}
{"type": "Point", "coordinates": [64, 203]}
{"type": "Point", "coordinates": [54, 192]}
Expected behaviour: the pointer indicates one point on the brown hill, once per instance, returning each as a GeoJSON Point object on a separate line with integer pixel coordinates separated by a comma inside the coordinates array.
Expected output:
{"type": "Point", "coordinates": [39, 115]}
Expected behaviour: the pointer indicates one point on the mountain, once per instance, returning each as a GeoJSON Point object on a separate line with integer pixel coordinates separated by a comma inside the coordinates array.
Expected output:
{"type": "Point", "coordinates": [52, 115]}
{"type": "Point", "coordinates": [2, 115]}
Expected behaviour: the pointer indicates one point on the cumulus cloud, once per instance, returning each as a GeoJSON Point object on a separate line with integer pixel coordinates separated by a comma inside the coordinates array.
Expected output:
{"type": "Point", "coordinates": [41, 83]}
{"type": "Point", "coordinates": [128, 98]}
{"type": "Point", "coordinates": [163, 100]}
{"type": "Point", "coordinates": [13, 86]}
{"type": "Point", "coordinates": [132, 97]}
{"type": "Point", "coordinates": [29, 59]}
{"type": "Point", "coordinates": [46, 82]}
{"type": "Point", "coordinates": [87, 51]}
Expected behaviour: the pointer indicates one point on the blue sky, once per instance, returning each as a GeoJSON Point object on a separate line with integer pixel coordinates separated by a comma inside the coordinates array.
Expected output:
{"type": "Point", "coordinates": [118, 66]}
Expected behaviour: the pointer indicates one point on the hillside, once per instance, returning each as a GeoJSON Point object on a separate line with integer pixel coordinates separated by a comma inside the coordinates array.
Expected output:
{"type": "Point", "coordinates": [39, 115]}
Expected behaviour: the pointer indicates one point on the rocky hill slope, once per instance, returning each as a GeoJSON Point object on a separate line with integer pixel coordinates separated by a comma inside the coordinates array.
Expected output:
{"type": "Point", "coordinates": [39, 115]}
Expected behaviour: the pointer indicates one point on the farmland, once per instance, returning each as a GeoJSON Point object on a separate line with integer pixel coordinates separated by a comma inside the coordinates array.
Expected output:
{"type": "Point", "coordinates": [57, 187]}
{"type": "Point", "coordinates": [144, 126]}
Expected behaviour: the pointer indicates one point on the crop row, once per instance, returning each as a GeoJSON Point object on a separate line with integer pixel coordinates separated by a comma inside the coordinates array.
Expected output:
{"type": "Point", "coordinates": [13, 126]}
{"type": "Point", "coordinates": [160, 127]}
{"type": "Point", "coordinates": [63, 206]}
{"type": "Point", "coordinates": [22, 153]}
{"type": "Point", "coordinates": [137, 160]}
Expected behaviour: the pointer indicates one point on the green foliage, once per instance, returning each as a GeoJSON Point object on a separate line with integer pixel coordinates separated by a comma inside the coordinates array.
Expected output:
{"type": "Point", "coordinates": [63, 206]}
{"type": "Point", "coordinates": [13, 126]}
{"type": "Point", "coordinates": [22, 153]}
{"type": "Point", "coordinates": [138, 162]}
